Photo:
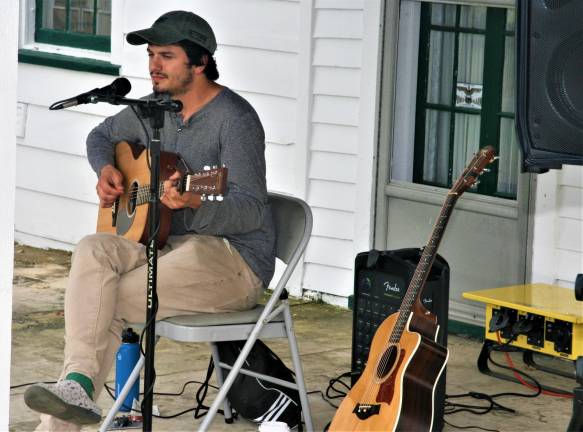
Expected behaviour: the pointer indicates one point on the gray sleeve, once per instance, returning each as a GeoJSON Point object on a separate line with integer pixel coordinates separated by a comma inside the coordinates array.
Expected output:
{"type": "Point", "coordinates": [101, 141]}
{"type": "Point", "coordinates": [243, 153]}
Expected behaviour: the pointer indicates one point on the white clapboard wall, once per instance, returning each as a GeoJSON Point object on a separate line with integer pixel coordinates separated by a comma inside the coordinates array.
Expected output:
{"type": "Point", "coordinates": [342, 132]}
{"type": "Point", "coordinates": [570, 221]}
{"type": "Point", "coordinates": [558, 227]}
{"type": "Point", "coordinates": [55, 187]}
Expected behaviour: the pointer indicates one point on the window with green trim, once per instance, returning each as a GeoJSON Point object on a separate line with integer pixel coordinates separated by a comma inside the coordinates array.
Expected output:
{"type": "Point", "coordinates": [465, 95]}
{"type": "Point", "coordinates": [74, 23]}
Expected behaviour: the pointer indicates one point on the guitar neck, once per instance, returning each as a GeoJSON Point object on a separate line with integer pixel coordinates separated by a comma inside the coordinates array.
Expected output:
{"type": "Point", "coordinates": [424, 266]}
{"type": "Point", "coordinates": [208, 183]}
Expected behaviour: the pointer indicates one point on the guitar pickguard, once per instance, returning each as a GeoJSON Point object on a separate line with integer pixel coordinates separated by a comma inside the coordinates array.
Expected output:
{"type": "Point", "coordinates": [126, 210]}
{"type": "Point", "coordinates": [387, 390]}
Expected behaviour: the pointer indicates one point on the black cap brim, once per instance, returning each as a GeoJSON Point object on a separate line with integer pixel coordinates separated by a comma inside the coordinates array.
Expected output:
{"type": "Point", "coordinates": [158, 36]}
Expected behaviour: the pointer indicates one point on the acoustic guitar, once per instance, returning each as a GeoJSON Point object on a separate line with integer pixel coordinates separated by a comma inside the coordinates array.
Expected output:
{"type": "Point", "coordinates": [128, 216]}
{"type": "Point", "coordinates": [396, 389]}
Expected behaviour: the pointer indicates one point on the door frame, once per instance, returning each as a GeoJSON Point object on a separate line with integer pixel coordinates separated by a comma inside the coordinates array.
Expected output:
{"type": "Point", "coordinates": [521, 209]}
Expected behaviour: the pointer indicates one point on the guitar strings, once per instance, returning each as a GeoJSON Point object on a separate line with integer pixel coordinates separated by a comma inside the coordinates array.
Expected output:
{"type": "Point", "coordinates": [143, 190]}
{"type": "Point", "coordinates": [407, 303]}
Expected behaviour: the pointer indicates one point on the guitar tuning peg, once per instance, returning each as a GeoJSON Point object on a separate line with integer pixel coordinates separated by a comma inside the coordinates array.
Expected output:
{"type": "Point", "coordinates": [206, 168]}
{"type": "Point", "coordinates": [224, 166]}
{"type": "Point", "coordinates": [215, 167]}
{"type": "Point", "coordinates": [495, 158]}
{"type": "Point", "coordinates": [219, 198]}
{"type": "Point", "coordinates": [211, 197]}
{"type": "Point", "coordinates": [203, 197]}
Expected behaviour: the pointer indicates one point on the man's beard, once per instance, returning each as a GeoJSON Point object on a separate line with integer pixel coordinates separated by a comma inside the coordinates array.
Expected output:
{"type": "Point", "coordinates": [181, 89]}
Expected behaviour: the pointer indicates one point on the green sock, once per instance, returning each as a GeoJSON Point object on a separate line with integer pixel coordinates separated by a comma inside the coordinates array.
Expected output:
{"type": "Point", "coordinates": [83, 380]}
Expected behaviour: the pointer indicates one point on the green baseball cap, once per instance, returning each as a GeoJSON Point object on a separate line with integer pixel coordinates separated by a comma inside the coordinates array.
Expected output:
{"type": "Point", "coordinates": [173, 27]}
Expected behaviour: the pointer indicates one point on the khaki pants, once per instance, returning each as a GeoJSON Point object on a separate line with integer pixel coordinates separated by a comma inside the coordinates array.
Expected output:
{"type": "Point", "coordinates": [107, 288]}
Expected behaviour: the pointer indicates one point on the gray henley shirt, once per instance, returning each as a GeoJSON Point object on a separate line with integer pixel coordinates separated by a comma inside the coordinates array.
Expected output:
{"type": "Point", "coordinates": [226, 131]}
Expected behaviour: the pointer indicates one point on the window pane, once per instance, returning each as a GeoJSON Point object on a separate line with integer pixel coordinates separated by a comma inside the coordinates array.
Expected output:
{"type": "Point", "coordinates": [443, 15]}
{"type": "Point", "coordinates": [473, 17]}
{"type": "Point", "coordinates": [510, 19]}
{"type": "Point", "coordinates": [466, 141]}
{"type": "Point", "coordinates": [104, 17]}
{"type": "Point", "coordinates": [82, 16]}
{"type": "Point", "coordinates": [436, 157]}
{"type": "Point", "coordinates": [440, 67]}
{"type": "Point", "coordinates": [508, 87]}
{"type": "Point", "coordinates": [54, 14]}
{"type": "Point", "coordinates": [471, 58]}
{"type": "Point", "coordinates": [509, 157]}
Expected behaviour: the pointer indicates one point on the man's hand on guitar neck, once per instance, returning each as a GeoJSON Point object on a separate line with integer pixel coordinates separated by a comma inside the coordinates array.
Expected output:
{"type": "Point", "coordinates": [174, 199]}
{"type": "Point", "coordinates": [109, 185]}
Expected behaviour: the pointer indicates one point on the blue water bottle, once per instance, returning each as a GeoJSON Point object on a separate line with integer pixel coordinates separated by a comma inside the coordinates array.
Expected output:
{"type": "Point", "coordinates": [127, 357]}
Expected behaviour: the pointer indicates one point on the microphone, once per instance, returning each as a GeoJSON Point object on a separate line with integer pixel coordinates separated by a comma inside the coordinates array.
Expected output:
{"type": "Point", "coordinates": [119, 87]}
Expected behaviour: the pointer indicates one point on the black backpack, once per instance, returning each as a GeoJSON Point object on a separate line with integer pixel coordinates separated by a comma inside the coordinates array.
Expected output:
{"type": "Point", "coordinates": [258, 400]}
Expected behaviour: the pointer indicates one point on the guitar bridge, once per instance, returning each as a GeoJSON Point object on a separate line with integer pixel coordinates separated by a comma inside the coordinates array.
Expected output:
{"type": "Point", "coordinates": [364, 411]}
{"type": "Point", "coordinates": [114, 212]}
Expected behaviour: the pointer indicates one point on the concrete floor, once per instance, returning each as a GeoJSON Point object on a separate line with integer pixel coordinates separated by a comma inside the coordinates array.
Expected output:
{"type": "Point", "coordinates": [324, 336]}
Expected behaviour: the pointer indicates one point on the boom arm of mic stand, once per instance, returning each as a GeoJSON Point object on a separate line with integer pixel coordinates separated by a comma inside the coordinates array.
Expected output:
{"type": "Point", "coordinates": [147, 106]}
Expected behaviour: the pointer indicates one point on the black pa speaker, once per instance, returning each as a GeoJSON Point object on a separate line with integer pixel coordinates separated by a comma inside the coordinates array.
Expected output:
{"type": "Point", "coordinates": [550, 83]}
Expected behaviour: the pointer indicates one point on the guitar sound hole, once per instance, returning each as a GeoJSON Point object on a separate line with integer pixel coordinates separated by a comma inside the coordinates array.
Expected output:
{"type": "Point", "coordinates": [132, 198]}
{"type": "Point", "coordinates": [387, 362]}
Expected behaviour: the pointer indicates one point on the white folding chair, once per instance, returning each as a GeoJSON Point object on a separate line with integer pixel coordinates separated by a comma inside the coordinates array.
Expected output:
{"type": "Point", "coordinates": [293, 225]}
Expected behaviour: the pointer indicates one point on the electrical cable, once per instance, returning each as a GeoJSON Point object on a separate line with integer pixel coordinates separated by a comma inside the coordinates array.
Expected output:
{"type": "Point", "coordinates": [145, 131]}
{"type": "Point", "coordinates": [198, 409]}
{"type": "Point", "coordinates": [31, 383]}
{"type": "Point", "coordinates": [186, 384]}
{"type": "Point", "coordinates": [109, 390]}
{"type": "Point", "coordinates": [452, 408]}
{"type": "Point", "coordinates": [338, 380]}
{"type": "Point", "coordinates": [517, 374]}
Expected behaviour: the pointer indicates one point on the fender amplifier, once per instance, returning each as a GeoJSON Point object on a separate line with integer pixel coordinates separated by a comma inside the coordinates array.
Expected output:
{"type": "Point", "coordinates": [381, 279]}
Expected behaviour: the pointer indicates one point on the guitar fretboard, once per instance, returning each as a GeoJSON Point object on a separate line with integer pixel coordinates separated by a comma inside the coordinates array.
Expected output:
{"type": "Point", "coordinates": [423, 268]}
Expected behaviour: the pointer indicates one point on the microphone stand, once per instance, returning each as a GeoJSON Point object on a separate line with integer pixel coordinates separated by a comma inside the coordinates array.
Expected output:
{"type": "Point", "coordinates": [156, 116]}
{"type": "Point", "coordinates": [153, 110]}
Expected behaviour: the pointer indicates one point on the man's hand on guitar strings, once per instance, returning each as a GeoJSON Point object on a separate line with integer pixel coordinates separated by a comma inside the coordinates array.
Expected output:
{"type": "Point", "coordinates": [174, 199]}
{"type": "Point", "coordinates": [109, 185]}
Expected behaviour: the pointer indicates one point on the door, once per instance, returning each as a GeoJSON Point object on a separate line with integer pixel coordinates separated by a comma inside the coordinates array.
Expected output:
{"type": "Point", "coordinates": [453, 94]}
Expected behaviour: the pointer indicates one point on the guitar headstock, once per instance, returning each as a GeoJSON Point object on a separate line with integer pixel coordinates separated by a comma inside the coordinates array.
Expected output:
{"type": "Point", "coordinates": [210, 183]}
{"type": "Point", "coordinates": [475, 168]}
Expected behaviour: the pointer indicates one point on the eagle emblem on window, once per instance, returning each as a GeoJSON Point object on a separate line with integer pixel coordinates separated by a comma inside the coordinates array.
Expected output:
{"type": "Point", "coordinates": [468, 95]}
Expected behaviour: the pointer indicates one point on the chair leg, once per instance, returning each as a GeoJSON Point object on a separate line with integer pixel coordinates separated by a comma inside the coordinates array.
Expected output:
{"type": "Point", "coordinates": [220, 381]}
{"type": "Point", "coordinates": [295, 355]}
{"type": "Point", "coordinates": [124, 392]}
